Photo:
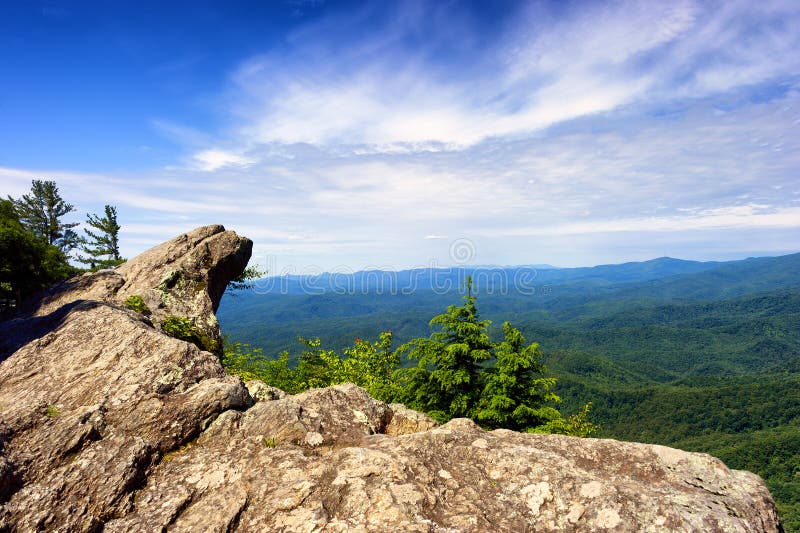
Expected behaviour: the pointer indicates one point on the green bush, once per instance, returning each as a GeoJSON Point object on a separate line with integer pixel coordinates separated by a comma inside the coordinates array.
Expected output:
{"type": "Point", "coordinates": [135, 303]}
{"type": "Point", "coordinates": [184, 329]}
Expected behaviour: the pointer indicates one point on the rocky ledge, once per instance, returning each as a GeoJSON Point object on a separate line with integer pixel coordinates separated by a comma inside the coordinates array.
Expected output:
{"type": "Point", "coordinates": [106, 423]}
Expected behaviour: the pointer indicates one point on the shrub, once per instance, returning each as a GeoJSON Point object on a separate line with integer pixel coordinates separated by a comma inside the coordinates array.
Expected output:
{"type": "Point", "coordinates": [249, 363]}
{"type": "Point", "coordinates": [135, 303]}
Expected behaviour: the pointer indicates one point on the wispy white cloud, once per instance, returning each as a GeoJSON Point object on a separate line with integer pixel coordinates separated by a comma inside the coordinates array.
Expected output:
{"type": "Point", "coordinates": [593, 58]}
{"type": "Point", "coordinates": [707, 173]}
{"type": "Point", "coordinates": [722, 218]}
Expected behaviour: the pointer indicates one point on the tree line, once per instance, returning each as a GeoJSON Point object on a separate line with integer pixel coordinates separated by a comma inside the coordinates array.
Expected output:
{"type": "Point", "coordinates": [36, 245]}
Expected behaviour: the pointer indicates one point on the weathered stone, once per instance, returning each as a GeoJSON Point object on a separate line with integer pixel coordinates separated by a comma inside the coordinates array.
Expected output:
{"type": "Point", "coordinates": [185, 277]}
{"type": "Point", "coordinates": [403, 421]}
{"type": "Point", "coordinates": [456, 477]}
{"type": "Point", "coordinates": [94, 394]}
{"type": "Point", "coordinates": [107, 423]}
{"type": "Point", "coordinates": [261, 392]}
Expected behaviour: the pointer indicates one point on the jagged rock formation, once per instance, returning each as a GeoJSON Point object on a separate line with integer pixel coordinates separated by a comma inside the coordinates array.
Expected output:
{"type": "Point", "coordinates": [107, 423]}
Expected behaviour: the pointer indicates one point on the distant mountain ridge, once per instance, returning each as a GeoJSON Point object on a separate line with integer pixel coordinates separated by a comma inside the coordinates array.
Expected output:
{"type": "Point", "coordinates": [274, 319]}
{"type": "Point", "coordinates": [523, 278]}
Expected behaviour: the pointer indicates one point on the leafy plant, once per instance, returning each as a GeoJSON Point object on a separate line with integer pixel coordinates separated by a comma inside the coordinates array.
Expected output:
{"type": "Point", "coordinates": [51, 411]}
{"type": "Point", "coordinates": [135, 303]}
{"type": "Point", "coordinates": [577, 425]}
{"type": "Point", "coordinates": [27, 262]}
{"type": "Point", "coordinates": [248, 363]}
{"type": "Point", "coordinates": [446, 382]}
{"type": "Point", "coordinates": [516, 394]}
{"type": "Point", "coordinates": [40, 212]}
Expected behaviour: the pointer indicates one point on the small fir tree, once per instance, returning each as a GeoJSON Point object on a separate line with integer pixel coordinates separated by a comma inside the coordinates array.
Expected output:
{"type": "Point", "coordinates": [516, 393]}
{"type": "Point", "coordinates": [446, 381]}
{"type": "Point", "coordinates": [102, 246]}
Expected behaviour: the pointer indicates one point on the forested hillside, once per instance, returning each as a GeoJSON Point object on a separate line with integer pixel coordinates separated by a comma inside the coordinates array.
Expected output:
{"type": "Point", "coordinates": [700, 356]}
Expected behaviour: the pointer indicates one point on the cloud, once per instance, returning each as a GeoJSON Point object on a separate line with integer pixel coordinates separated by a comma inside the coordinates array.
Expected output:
{"type": "Point", "coordinates": [563, 198]}
{"type": "Point", "coordinates": [215, 159]}
{"type": "Point", "coordinates": [723, 218]}
{"type": "Point", "coordinates": [561, 133]}
{"type": "Point", "coordinates": [382, 93]}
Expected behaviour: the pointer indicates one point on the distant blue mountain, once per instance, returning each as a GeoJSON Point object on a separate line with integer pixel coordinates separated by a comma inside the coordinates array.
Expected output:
{"type": "Point", "coordinates": [365, 303]}
{"type": "Point", "coordinates": [491, 279]}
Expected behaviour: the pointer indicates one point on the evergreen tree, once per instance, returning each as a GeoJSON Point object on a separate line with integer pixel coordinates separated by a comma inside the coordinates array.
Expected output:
{"type": "Point", "coordinates": [516, 391]}
{"type": "Point", "coordinates": [446, 382]}
{"type": "Point", "coordinates": [40, 213]}
{"type": "Point", "coordinates": [102, 246]}
{"type": "Point", "coordinates": [27, 263]}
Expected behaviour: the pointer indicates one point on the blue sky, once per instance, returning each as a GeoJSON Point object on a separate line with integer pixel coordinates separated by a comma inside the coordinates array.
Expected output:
{"type": "Point", "coordinates": [348, 135]}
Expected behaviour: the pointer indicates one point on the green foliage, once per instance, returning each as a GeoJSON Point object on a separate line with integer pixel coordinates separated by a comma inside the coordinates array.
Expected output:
{"type": "Point", "coordinates": [270, 442]}
{"type": "Point", "coordinates": [459, 372]}
{"type": "Point", "coordinates": [135, 303]}
{"type": "Point", "coordinates": [446, 382]}
{"type": "Point", "coordinates": [40, 213]}
{"type": "Point", "coordinates": [184, 329]}
{"type": "Point", "coordinates": [576, 425]}
{"type": "Point", "coordinates": [51, 411]}
{"type": "Point", "coordinates": [370, 365]}
{"type": "Point", "coordinates": [179, 327]}
{"type": "Point", "coordinates": [249, 363]}
{"type": "Point", "coordinates": [244, 281]}
{"type": "Point", "coordinates": [27, 263]}
{"type": "Point", "coordinates": [516, 395]}
{"type": "Point", "coordinates": [102, 245]}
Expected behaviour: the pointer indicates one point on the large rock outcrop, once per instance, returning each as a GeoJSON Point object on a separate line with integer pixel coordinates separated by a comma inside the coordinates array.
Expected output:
{"type": "Point", "coordinates": [185, 277]}
{"type": "Point", "coordinates": [108, 424]}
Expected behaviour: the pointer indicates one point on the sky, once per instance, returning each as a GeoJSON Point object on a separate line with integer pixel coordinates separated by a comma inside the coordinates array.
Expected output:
{"type": "Point", "coordinates": [348, 135]}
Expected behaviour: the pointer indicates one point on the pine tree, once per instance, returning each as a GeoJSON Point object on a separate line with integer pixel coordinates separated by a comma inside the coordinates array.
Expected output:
{"type": "Point", "coordinates": [40, 212]}
{"type": "Point", "coordinates": [516, 393]}
{"type": "Point", "coordinates": [102, 247]}
{"type": "Point", "coordinates": [446, 382]}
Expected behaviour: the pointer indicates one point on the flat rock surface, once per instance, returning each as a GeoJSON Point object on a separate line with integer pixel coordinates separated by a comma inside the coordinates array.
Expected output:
{"type": "Point", "coordinates": [106, 423]}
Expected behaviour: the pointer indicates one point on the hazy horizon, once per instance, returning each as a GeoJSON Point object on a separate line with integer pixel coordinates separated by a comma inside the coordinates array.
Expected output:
{"type": "Point", "coordinates": [314, 270]}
